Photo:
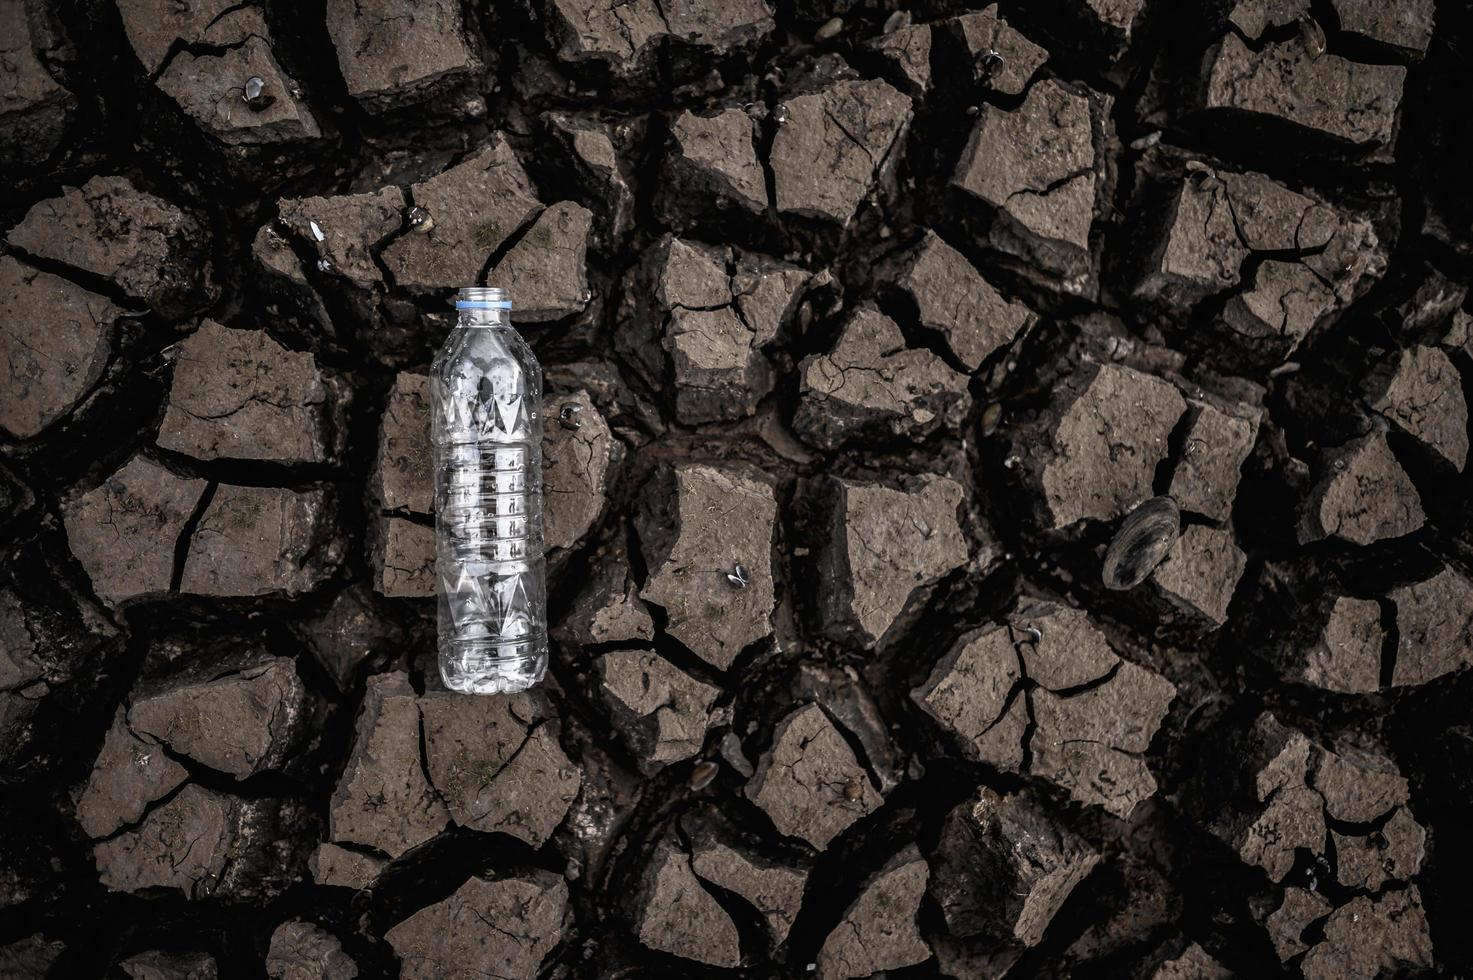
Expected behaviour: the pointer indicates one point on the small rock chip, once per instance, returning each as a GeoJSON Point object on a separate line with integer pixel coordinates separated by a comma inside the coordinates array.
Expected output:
{"type": "Point", "coordinates": [1301, 908]}
{"type": "Point", "coordinates": [907, 50]}
{"type": "Point", "coordinates": [476, 205]}
{"type": "Point", "coordinates": [885, 549]}
{"type": "Point", "coordinates": [487, 928]}
{"type": "Point", "coordinates": [878, 931]}
{"type": "Point", "coordinates": [1348, 656]}
{"type": "Point", "coordinates": [1205, 480]}
{"type": "Point", "coordinates": [1363, 496]}
{"type": "Point", "coordinates": [405, 474]}
{"type": "Point", "coordinates": [260, 540]}
{"type": "Point", "coordinates": [123, 532]}
{"type": "Point", "coordinates": [661, 711]}
{"type": "Point", "coordinates": [1201, 573]}
{"type": "Point", "coordinates": [578, 466]}
{"type": "Point", "coordinates": [801, 781]}
{"type": "Point", "coordinates": [497, 763]}
{"type": "Point", "coordinates": [1004, 866]}
{"type": "Point", "coordinates": [238, 394]}
{"type": "Point", "coordinates": [954, 300]}
{"type": "Point", "coordinates": [716, 154]}
{"type": "Point", "coordinates": [392, 52]}
{"type": "Point", "coordinates": [331, 864]}
{"type": "Point", "coordinates": [774, 890]}
{"type": "Point", "coordinates": [1425, 399]}
{"type": "Point", "coordinates": [678, 916]}
{"type": "Point", "coordinates": [834, 146]}
{"type": "Point", "coordinates": [301, 951]}
{"type": "Point", "coordinates": [871, 386]}
{"type": "Point", "coordinates": [184, 844]}
{"type": "Point", "coordinates": [240, 723]}
{"type": "Point", "coordinates": [343, 230]}
{"type": "Point", "coordinates": [1406, 26]}
{"type": "Point", "coordinates": [1329, 95]}
{"type": "Point", "coordinates": [383, 799]}
{"type": "Point", "coordinates": [404, 556]}
{"type": "Point", "coordinates": [1393, 853]}
{"type": "Point", "coordinates": [547, 270]}
{"type": "Point", "coordinates": [55, 342]}
{"type": "Point", "coordinates": [1037, 166]}
{"type": "Point", "coordinates": [1435, 620]}
{"type": "Point", "coordinates": [209, 87]}
{"type": "Point", "coordinates": [130, 773]}
{"type": "Point", "coordinates": [985, 35]}
{"type": "Point", "coordinates": [1372, 937]}
{"type": "Point", "coordinates": [608, 610]}
{"type": "Point", "coordinates": [696, 523]}
{"type": "Point", "coordinates": [150, 249]}
{"type": "Point", "coordinates": [34, 109]}
{"type": "Point", "coordinates": [969, 693]}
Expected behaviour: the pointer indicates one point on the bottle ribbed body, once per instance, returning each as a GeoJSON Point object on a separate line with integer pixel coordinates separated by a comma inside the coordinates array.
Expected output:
{"type": "Point", "coordinates": [486, 395]}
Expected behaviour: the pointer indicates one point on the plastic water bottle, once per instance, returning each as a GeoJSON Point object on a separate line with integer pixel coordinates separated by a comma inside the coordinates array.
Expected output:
{"type": "Point", "coordinates": [486, 430]}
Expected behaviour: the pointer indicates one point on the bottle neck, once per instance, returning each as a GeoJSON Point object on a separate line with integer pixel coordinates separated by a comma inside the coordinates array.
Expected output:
{"type": "Point", "coordinates": [484, 318]}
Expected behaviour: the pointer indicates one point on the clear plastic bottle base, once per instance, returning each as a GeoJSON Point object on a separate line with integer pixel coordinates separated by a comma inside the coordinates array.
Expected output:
{"type": "Point", "coordinates": [480, 668]}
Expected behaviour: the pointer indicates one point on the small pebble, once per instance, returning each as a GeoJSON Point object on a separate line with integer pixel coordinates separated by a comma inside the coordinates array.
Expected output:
{"type": "Point", "coordinates": [1312, 35]}
{"type": "Point", "coordinates": [829, 30]}
{"type": "Point", "coordinates": [702, 775]}
{"type": "Point", "coordinates": [896, 21]}
{"type": "Point", "coordinates": [1147, 141]}
{"type": "Point", "coordinates": [991, 418]}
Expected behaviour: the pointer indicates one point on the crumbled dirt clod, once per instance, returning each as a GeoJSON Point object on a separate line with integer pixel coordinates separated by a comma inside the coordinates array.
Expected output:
{"type": "Point", "coordinates": [391, 51]}
{"type": "Point", "coordinates": [677, 915]}
{"type": "Point", "coordinates": [622, 36]}
{"type": "Point", "coordinates": [1286, 926]}
{"type": "Point", "coordinates": [155, 27]}
{"type": "Point", "coordinates": [35, 109]}
{"type": "Point", "coordinates": [1425, 399]}
{"type": "Point", "coordinates": [260, 540]}
{"type": "Point", "coordinates": [1359, 786]}
{"type": "Point", "coordinates": [1370, 937]}
{"type": "Point", "coordinates": [130, 773]}
{"type": "Point", "coordinates": [969, 693]}
{"type": "Point", "coordinates": [1205, 480]}
{"type": "Point", "coordinates": [1393, 853]}
{"type": "Point", "coordinates": [1195, 963]}
{"type": "Point", "coordinates": [986, 33]}
{"type": "Point", "coordinates": [879, 932]}
{"type": "Point", "coordinates": [497, 763]}
{"type": "Point", "coordinates": [809, 782]}
{"type": "Point", "coordinates": [238, 394]}
{"type": "Point", "coordinates": [608, 610]}
{"type": "Point", "coordinates": [696, 524]}
{"type": "Point", "coordinates": [301, 951]}
{"type": "Point", "coordinates": [55, 342]}
{"type": "Point", "coordinates": [210, 88]}
{"type": "Point", "coordinates": [499, 928]}
{"type": "Point", "coordinates": [661, 711]}
{"type": "Point", "coordinates": [343, 230]}
{"type": "Point", "coordinates": [406, 477]}
{"type": "Point", "coordinates": [578, 467]}
{"type": "Point", "coordinates": [1363, 496]}
{"type": "Point", "coordinates": [1201, 572]}
{"type": "Point", "coordinates": [908, 52]}
{"type": "Point", "coordinates": [123, 532]}
{"type": "Point", "coordinates": [149, 248]}
{"type": "Point", "coordinates": [1348, 657]}
{"type": "Point", "coordinates": [871, 386]}
{"type": "Point", "coordinates": [1434, 618]}
{"type": "Point", "coordinates": [331, 864]}
{"type": "Point", "coordinates": [384, 799]}
{"type": "Point", "coordinates": [404, 556]}
{"type": "Point", "coordinates": [184, 844]}
{"type": "Point", "coordinates": [1404, 26]}
{"type": "Point", "coordinates": [883, 551]}
{"type": "Point", "coordinates": [547, 269]}
{"type": "Point", "coordinates": [716, 153]}
{"type": "Point", "coordinates": [774, 890]}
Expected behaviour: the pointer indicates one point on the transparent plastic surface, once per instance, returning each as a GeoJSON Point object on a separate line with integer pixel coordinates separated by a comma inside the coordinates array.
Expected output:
{"type": "Point", "coordinates": [486, 432]}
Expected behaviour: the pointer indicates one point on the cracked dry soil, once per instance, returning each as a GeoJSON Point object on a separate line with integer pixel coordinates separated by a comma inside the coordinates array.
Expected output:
{"type": "Point", "coordinates": [864, 329]}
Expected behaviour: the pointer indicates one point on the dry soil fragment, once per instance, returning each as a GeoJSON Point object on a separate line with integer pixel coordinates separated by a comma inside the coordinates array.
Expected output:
{"type": "Point", "coordinates": [878, 932]}
{"type": "Point", "coordinates": [608, 610]}
{"type": "Point", "coordinates": [578, 465]}
{"type": "Point", "coordinates": [1195, 963]}
{"type": "Point", "coordinates": [334, 865]}
{"type": "Point", "coordinates": [1301, 908]}
{"type": "Point", "coordinates": [1393, 853]}
{"type": "Point", "coordinates": [1372, 937]}
{"type": "Point", "coordinates": [1004, 866]}
{"type": "Point", "coordinates": [834, 145]}
{"type": "Point", "coordinates": [1206, 478]}
{"type": "Point", "coordinates": [183, 844]}
{"type": "Point", "coordinates": [260, 540]}
{"type": "Point", "coordinates": [620, 33]}
{"type": "Point", "coordinates": [1328, 94]}
{"type": "Point", "coordinates": [1202, 571]}
{"type": "Point", "coordinates": [716, 153]}
{"type": "Point", "coordinates": [301, 951]}
{"type": "Point", "coordinates": [241, 723]}
{"type": "Point", "coordinates": [1037, 166]}
{"type": "Point", "coordinates": [809, 782]}
{"type": "Point", "coordinates": [1103, 452]}
{"type": "Point", "coordinates": [123, 532]}
{"type": "Point", "coordinates": [884, 550]}
{"type": "Point", "coordinates": [155, 26]}
{"type": "Point", "coordinates": [501, 928]}
{"type": "Point", "coordinates": [697, 524]}
{"type": "Point", "coordinates": [34, 109]}
{"type": "Point", "coordinates": [678, 916]}
{"type": "Point", "coordinates": [969, 693]}
{"type": "Point", "coordinates": [55, 341]}
{"type": "Point", "coordinates": [908, 50]}
{"type": "Point", "coordinates": [659, 709]}
{"type": "Point", "coordinates": [149, 248]}
{"type": "Point", "coordinates": [404, 556]}
{"type": "Point", "coordinates": [238, 394]}
{"type": "Point", "coordinates": [1287, 814]}
{"type": "Point", "coordinates": [1425, 398]}
{"type": "Point", "coordinates": [391, 51]}
{"type": "Point", "coordinates": [871, 386]}
{"type": "Point", "coordinates": [475, 205]}
{"type": "Point", "coordinates": [383, 799]}
{"type": "Point", "coordinates": [210, 88]}
{"type": "Point", "coordinates": [343, 230]}
{"type": "Point", "coordinates": [547, 270]}
{"type": "Point", "coordinates": [1061, 648]}
{"type": "Point", "coordinates": [774, 890]}
{"type": "Point", "coordinates": [497, 763]}
{"type": "Point", "coordinates": [130, 773]}
{"type": "Point", "coordinates": [1364, 496]}
{"type": "Point", "coordinates": [1348, 657]}
{"type": "Point", "coordinates": [158, 965]}
{"type": "Point", "coordinates": [1254, 17]}
{"type": "Point", "coordinates": [1406, 25]}
{"type": "Point", "coordinates": [406, 479]}
{"type": "Point", "coordinates": [954, 300]}
{"type": "Point", "coordinates": [1359, 786]}
{"type": "Point", "coordinates": [985, 34]}
{"type": "Point", "coordinates": [1435, 620]}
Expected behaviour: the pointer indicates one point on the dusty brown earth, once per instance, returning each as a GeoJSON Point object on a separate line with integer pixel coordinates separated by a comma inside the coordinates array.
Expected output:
{"type": "Point", "coordinates": [864, 332]}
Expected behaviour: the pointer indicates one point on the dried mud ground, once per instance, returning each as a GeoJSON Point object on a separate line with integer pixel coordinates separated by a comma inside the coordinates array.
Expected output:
{"type": "Point", "coordinates": [864, 331]}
